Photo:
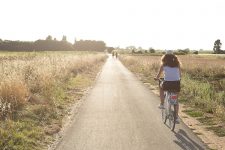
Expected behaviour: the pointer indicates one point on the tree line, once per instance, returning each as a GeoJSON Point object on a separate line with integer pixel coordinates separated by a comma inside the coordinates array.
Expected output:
{"type": "Point", "coordinates": [50, 44]}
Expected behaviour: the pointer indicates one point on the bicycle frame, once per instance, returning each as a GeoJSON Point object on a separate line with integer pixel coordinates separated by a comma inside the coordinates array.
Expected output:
{"type": "Point", "coordinates": [169, 113]}
{"type": "Point", "coordinates": [170, 104]}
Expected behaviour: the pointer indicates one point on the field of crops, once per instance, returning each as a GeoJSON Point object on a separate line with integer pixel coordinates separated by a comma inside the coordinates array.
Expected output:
{"type": "Point", "coordinates": [34, 92]}
{"type": "Point", "coordinates": [203, 82]}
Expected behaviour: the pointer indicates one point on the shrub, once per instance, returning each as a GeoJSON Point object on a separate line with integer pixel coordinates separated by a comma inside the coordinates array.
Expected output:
{"type": "Point", "coordinates": [195, 52]}
{"type": "Point", "coordinates": [13, 95]}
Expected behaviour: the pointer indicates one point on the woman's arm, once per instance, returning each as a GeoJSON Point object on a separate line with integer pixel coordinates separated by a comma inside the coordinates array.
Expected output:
{"type": "Point", "coordinates": [159, 72]}
{"type": "Point", "coordinates": [179, 71]}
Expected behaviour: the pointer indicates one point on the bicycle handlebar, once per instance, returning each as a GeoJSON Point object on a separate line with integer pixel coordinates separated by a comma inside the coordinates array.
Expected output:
{"type": "Point", "coordinates": [159, 79]}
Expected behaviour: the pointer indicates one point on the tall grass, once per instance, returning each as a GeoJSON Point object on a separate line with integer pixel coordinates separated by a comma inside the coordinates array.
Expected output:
{"type": "Point", "coordinates": [20, 78]}
{"type": "Point", "coordinates": [24, 76]}
{"type": "Point", "coordinates": [34, 94]}
{"type": "Point", "coordinates": [203, 79]}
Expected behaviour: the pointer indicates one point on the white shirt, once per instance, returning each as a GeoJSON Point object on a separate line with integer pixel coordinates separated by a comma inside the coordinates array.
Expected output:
{"type": "Point", "coordinates": [171, 73]}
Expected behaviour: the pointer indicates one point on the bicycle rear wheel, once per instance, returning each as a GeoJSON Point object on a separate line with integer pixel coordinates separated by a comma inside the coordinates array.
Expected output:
{"type": "Point", "coordinates": [172, 117]}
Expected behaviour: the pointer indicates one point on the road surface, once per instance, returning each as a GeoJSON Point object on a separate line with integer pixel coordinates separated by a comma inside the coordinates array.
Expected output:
{"type": "Point", "coordinates": [120, 113]}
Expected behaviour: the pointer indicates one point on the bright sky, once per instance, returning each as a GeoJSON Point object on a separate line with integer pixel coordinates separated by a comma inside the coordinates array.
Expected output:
{"type": "Point", "coordinates": [161, 24]}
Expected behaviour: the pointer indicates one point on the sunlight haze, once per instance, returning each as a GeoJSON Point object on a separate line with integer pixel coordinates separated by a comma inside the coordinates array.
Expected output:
{"type": "Point", "coordinates": [161, 24]}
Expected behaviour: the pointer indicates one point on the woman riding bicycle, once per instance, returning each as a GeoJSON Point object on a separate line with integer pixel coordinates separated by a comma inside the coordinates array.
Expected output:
{"type": "Point", "coordinates": [170, 66]}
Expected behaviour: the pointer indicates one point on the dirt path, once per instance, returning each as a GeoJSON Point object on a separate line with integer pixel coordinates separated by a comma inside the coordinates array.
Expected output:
{"type": "Point", "coordinates": [120, 113]}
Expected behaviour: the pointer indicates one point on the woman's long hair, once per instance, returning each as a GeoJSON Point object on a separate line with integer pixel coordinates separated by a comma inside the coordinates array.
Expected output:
{"type": "Point", "coordinates": [170, 60]}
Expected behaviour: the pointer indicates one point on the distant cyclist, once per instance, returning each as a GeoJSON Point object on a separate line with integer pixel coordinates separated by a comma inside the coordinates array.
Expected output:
{"type": "Point", "coordinates": [113, 53]}
{"type": "Point", "coordinates": [116, 54]}
{"type": "Point", "coordinates": [170, 67]}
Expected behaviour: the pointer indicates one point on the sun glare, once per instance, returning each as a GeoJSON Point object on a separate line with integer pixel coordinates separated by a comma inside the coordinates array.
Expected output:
{"type": "Point", "coordinates": [146, 23]}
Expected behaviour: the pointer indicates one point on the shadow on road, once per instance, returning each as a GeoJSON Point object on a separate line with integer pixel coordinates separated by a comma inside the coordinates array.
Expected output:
{"type": "Point", "coordinates": [185, 142]}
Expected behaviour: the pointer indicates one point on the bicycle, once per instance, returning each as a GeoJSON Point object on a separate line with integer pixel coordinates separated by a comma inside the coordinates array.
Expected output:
{"type": "Point", "coordinates": [169, 112]}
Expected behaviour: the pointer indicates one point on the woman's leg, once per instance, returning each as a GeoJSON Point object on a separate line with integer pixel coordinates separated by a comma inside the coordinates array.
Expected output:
{"type": "Point", "coordinates": [177, 106]}
{"type": "Point", "coordinates": [161, 92]}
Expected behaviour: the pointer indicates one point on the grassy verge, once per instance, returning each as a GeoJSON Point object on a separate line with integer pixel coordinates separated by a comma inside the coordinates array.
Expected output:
{"type": "Point", "coordinates": [194, 113]}
{"type": "Point", "coordinates": [203, 85]}
{"type": "Point", "coordinates": [36, 93]}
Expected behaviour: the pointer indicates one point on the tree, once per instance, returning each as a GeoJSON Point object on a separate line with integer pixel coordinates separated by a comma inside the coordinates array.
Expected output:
{"type": "Point", "coordinates": [151, 50]}
{"type": "Point", "coordinates": [64, 38]}
{"type": "Point", "coordinates": [132, 49]}
{"type": "Point", "coordinates": [183, 51]}
{"type": "Point", "coordinates": [217, 46]}
{"type": "Point", "coordinates": [195, 52]}
{"type": "Point", "coordinates": [88, 45]}
{"type": "Point", "coordinates": [49, 37]}
{"type": "Point", "coordinates": [110, 49]}
{"type": "Point", "coordinates": [187, 50]}
{"type": "Point", "coordinates": [140, 48]}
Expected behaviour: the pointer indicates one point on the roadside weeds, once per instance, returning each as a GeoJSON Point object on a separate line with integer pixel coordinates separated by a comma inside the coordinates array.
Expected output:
{"type": "Point", "coordinates": [194, 119]}
{"type": "Point", "coordinates": [32, 126]}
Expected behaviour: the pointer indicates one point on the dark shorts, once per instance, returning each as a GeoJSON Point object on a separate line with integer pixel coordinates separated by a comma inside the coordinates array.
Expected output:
{"type": "Point", "coordinates": [172, 86]}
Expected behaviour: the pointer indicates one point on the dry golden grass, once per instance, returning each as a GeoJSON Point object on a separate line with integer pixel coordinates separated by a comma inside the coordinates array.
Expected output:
{"type": "Point", "coordinates": [196, 66]}
{"type": "Point", "coordinates": [203, 79]}
{"type": "Point", "coordinates": [36, 91]}
{"type": "Point", "coordinates": [203, 85]}
{"type": "Point", "coordinates": [23, 76]}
